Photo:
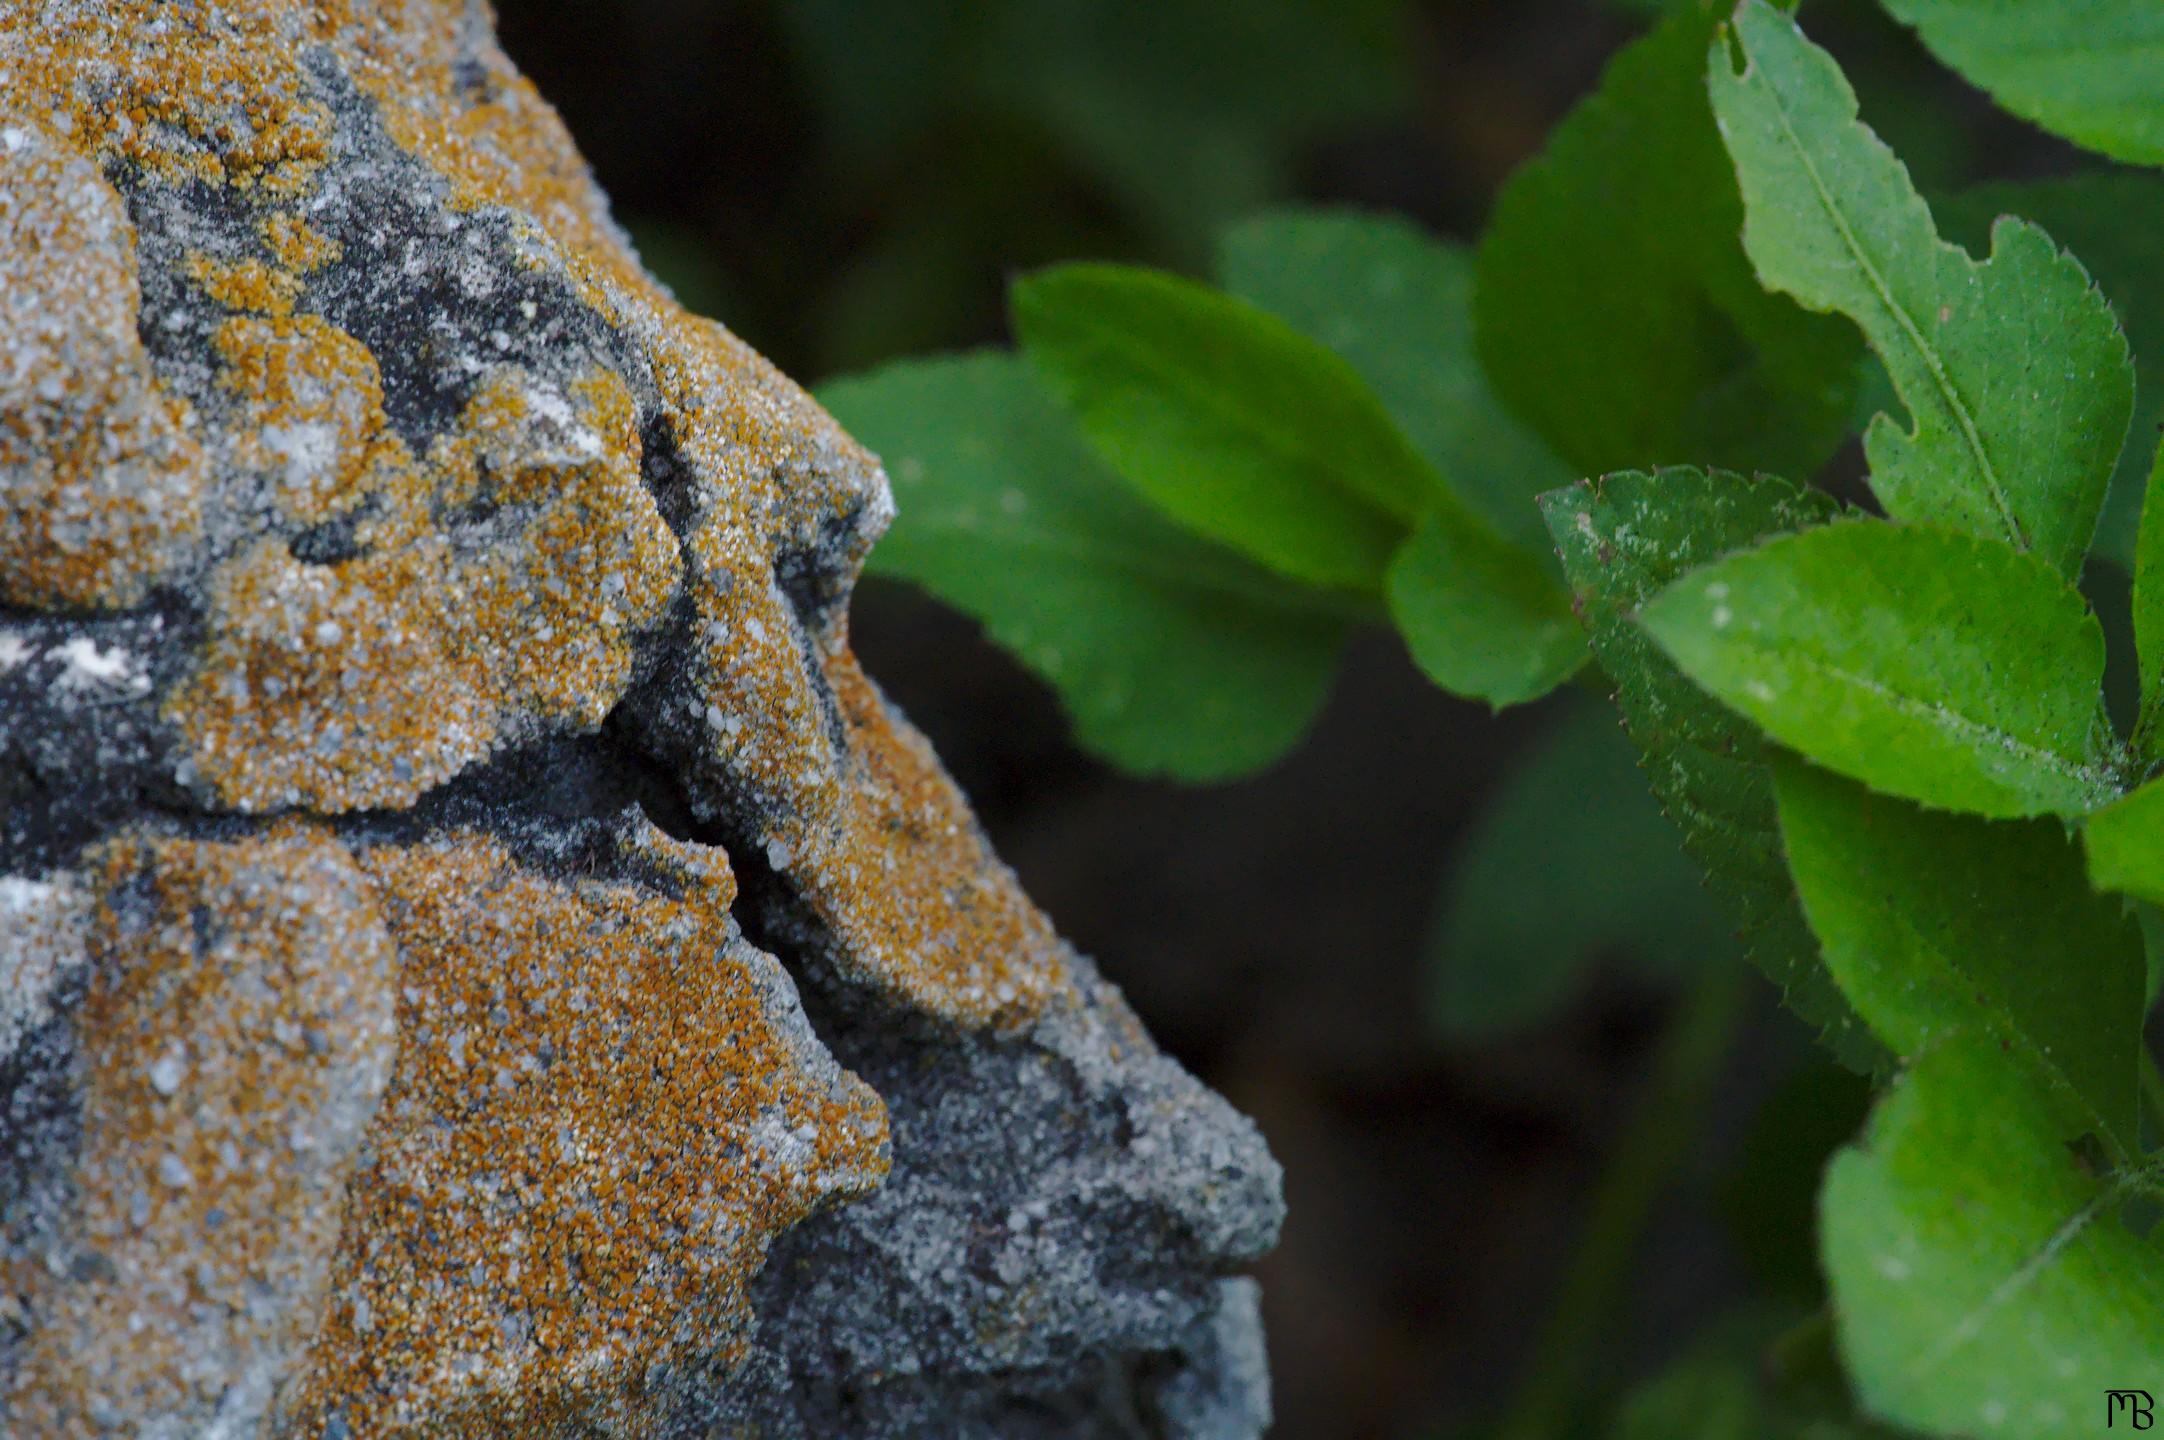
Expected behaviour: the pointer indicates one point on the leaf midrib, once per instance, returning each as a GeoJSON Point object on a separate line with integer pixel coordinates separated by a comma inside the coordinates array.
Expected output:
{"type": "Point", "coordinates": [2098, 783]}
{"type": "Point", "coordinates": [1953, 398]}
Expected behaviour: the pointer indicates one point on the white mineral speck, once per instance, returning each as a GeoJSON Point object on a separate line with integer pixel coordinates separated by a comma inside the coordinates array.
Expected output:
{"type": "Point", "coordinates": [173, 1171]}
{"type": "Point", "coordinates": [14, 651]}
{"type": "Point", "coordinates": [167, 1073]}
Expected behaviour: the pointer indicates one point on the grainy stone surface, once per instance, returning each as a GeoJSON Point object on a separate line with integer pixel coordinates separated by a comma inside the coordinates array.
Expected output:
{"type": "Point", "coordinates": [477, 956]}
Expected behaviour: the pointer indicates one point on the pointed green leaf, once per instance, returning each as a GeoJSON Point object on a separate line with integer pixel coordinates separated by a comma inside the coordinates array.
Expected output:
{"type": "Point", "coordinates": [1568, 862]}
{"type": "Point", "coordinates": [1173, 656]}
{"type": "Point", "coordinates": [1926, 664]}
{"type": "Point", "coordinates": [1982, 1279]}
{"type": "Point", "coordinates": [1397, 304]}
{"type": "Point", "coordinates": [1481, 617]}
{"type": "Point", "coordinates": [1623, 538]}
{"type": "Point", "coordinates": [1614, 309]}
{"type": "Point", "coordinates": [1934, 923]}
{"type": "Point", "coordinates": [2126, 845]}
{"type": "Point", "coordinates": [1228, 420]}
{"type": "Point", "coordinates": [2014, 373]}
{"type": "Point", "coordinates": [2090, 70]}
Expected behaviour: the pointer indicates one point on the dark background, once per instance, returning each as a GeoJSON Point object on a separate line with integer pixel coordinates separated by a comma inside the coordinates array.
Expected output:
{"type": "Point", "coordinates": [843, 182]}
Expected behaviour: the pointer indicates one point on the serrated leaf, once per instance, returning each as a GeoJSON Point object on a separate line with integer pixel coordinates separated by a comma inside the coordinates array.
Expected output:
{"type": "Point", "coordinates": [1173, 656]}
{"type": "Point", "coordinates": [1568, 861]}
{"type": "Point", "coordinates": [1982, 1280]}
{"type": "Point", "coordinates": [2090, 70]}
{"type": "Point", "coordinates": [1934, 923]}
{"type": "Point", "coordinates": [1622, 539]}
{"type": "Point", "coordinates": [2125, 842]}
{"type": "Point", "coordinates": [2108, 221]}
{"type": "Point", "coordinates": [1927, 664]}
{"type": "Point", "coordinates": [1481, 617]}
{"type": "Point", "coordinates": [1614, 309]}
{"type": "Point", "coordinates": [2014, 374]}
{"type": "Point", "coordinates": [1397, 305]}
{"type": "Point", "coordinates": [1228, 420]}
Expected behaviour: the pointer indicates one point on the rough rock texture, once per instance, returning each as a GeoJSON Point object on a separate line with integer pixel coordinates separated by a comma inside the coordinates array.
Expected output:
{"type": "Point", "coordinates": [477, 956]}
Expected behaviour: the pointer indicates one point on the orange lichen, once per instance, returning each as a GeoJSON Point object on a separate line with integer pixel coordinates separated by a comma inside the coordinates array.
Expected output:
{"type": "Point", "coordinates": [311, 412]}
{"type": "Point", "coordinates": [101, 475]}
{"type": "Point", "coordinates": [295, 244]}
{"type": "Point", "coordinates": [236, 1031]}
{"type": "Point", "coordinates": [370, 681]}
{"type": "Point", "coordinates": [247, 285]}
{"type": "Point", "coordinates": [605, 1107]}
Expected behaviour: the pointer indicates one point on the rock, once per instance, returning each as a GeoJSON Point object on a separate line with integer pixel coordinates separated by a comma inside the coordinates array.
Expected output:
{"type": "Point", "coordinates": [477, 955]}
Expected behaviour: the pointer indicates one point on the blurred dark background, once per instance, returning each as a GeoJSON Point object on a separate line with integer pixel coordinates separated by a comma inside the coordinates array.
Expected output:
{"type": "Point", "coordinates": [842, 182]}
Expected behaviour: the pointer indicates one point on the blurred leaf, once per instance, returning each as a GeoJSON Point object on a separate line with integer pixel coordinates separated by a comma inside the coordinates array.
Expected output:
{"type": "Point", "coordinates": [1245, 431]}
{"type": "Point", "coordinates": [2107, 221]}
{"type": "Point", "coordinates": [1934, 923]}
{"type": "Point", "coordinates": [2090, 70]}
{"type": "Point", "coordinates": [1568, 861]}
{"type": "Point", "coordinates": [1173, 656]}
{"type": "Point", "coordinates": [2125, 842]}
{"type": "Point", "coordinates": [1623, 538]}
{"type": "Point", "coordinates": [1397, 304]}
{"type": "Point", "coordinates": [1926, 664]}
{"type": "Point", "coordinates": [1614, 307]}
{"type": "Point", "coordinates": [1481, 617]}
{"type": "Point", "coordinates": [2148, 610]}
{"type": "Point", "coordinates": [2014, 373]}
{"type": "Point", "coordinates": [1981, 1275]}
{"type": "Point", "coordinates": [1228, 420]}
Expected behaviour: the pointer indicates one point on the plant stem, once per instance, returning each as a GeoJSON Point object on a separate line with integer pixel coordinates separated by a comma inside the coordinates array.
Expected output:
{"type": "Point", "coordinates": [1660, 1133]}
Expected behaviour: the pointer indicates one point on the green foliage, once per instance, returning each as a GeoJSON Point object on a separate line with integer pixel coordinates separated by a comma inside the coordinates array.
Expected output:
{"type": "Point", "coordinates": [1881, 739]}
{"type": "Point", "coordinates": [2091, 70]}
{"type": "Point", "coordinates": [2108, 220]}
{"type": "Point", "coordinates": [1953, 671]}
{"type": "Point", "coordinates": [1615, 310]}
{"type": "Point", "coordinates": [1982, 1276]}
{"type": "Point", "coordinates": [2013, 371]}
{"type": "Point", "coordinates": [2126, 845]}
{"type": "Point", "coordinates": [1570, 861]}
{"type": "Point", "coordinates": [1227, 419]}
{"type": "Point", "coordinates": [1935, 923]}
{"type": "Point", "coordinates": [1397, 305]}
{"type": "Point", "coordinates": [1173, 656]}
{"type": "Point", "coordinates": [1622, 540]}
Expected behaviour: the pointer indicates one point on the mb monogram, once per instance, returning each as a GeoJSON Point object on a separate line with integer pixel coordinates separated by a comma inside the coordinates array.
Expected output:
{"type": "Point", "coordinates": [2135, 1407]}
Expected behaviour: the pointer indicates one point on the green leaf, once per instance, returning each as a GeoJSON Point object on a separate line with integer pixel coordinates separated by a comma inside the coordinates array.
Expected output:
{"type": "Point", "coordinates": [1568, 861]}
{"type": "Point", "coordinates": [1622, 539]}
{"type": "Point", "coordinates": [1926, 664]}
{"type": "Point", "coordinates": [2125, 842]}
{"type": "Point", "coordinates": [1934, 923]}
{"type": "Point", "coordinates": [1982, 1279]}
{"type": "Point", "coordinates": [2108, 220]}
{"type": "Point", "coordinates": [2090, 70]}
{"type": "Point", "coordinates": [2014, 374]}
{"type": "Point", "coordinates": [1615, 310]}
{"type": "Point", "coordinates": [1481, 617]}
{"type": "Point", "coordinates": [1173, 656]}
{"type": "Point", "coordinates": [2149, 614]}
{"type": "Point", "coordinates": [1228, 420]}
{"type": "Point", "coordinates": [1397, 304]}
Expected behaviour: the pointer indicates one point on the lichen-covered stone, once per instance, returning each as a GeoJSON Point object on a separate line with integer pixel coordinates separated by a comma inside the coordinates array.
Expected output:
{"type": "Point", "coordinates": [414, 631]}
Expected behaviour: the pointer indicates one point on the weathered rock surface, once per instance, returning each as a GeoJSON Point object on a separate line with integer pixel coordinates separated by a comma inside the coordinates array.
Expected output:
{"type": "Point", "coordinates": [477, 956]}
